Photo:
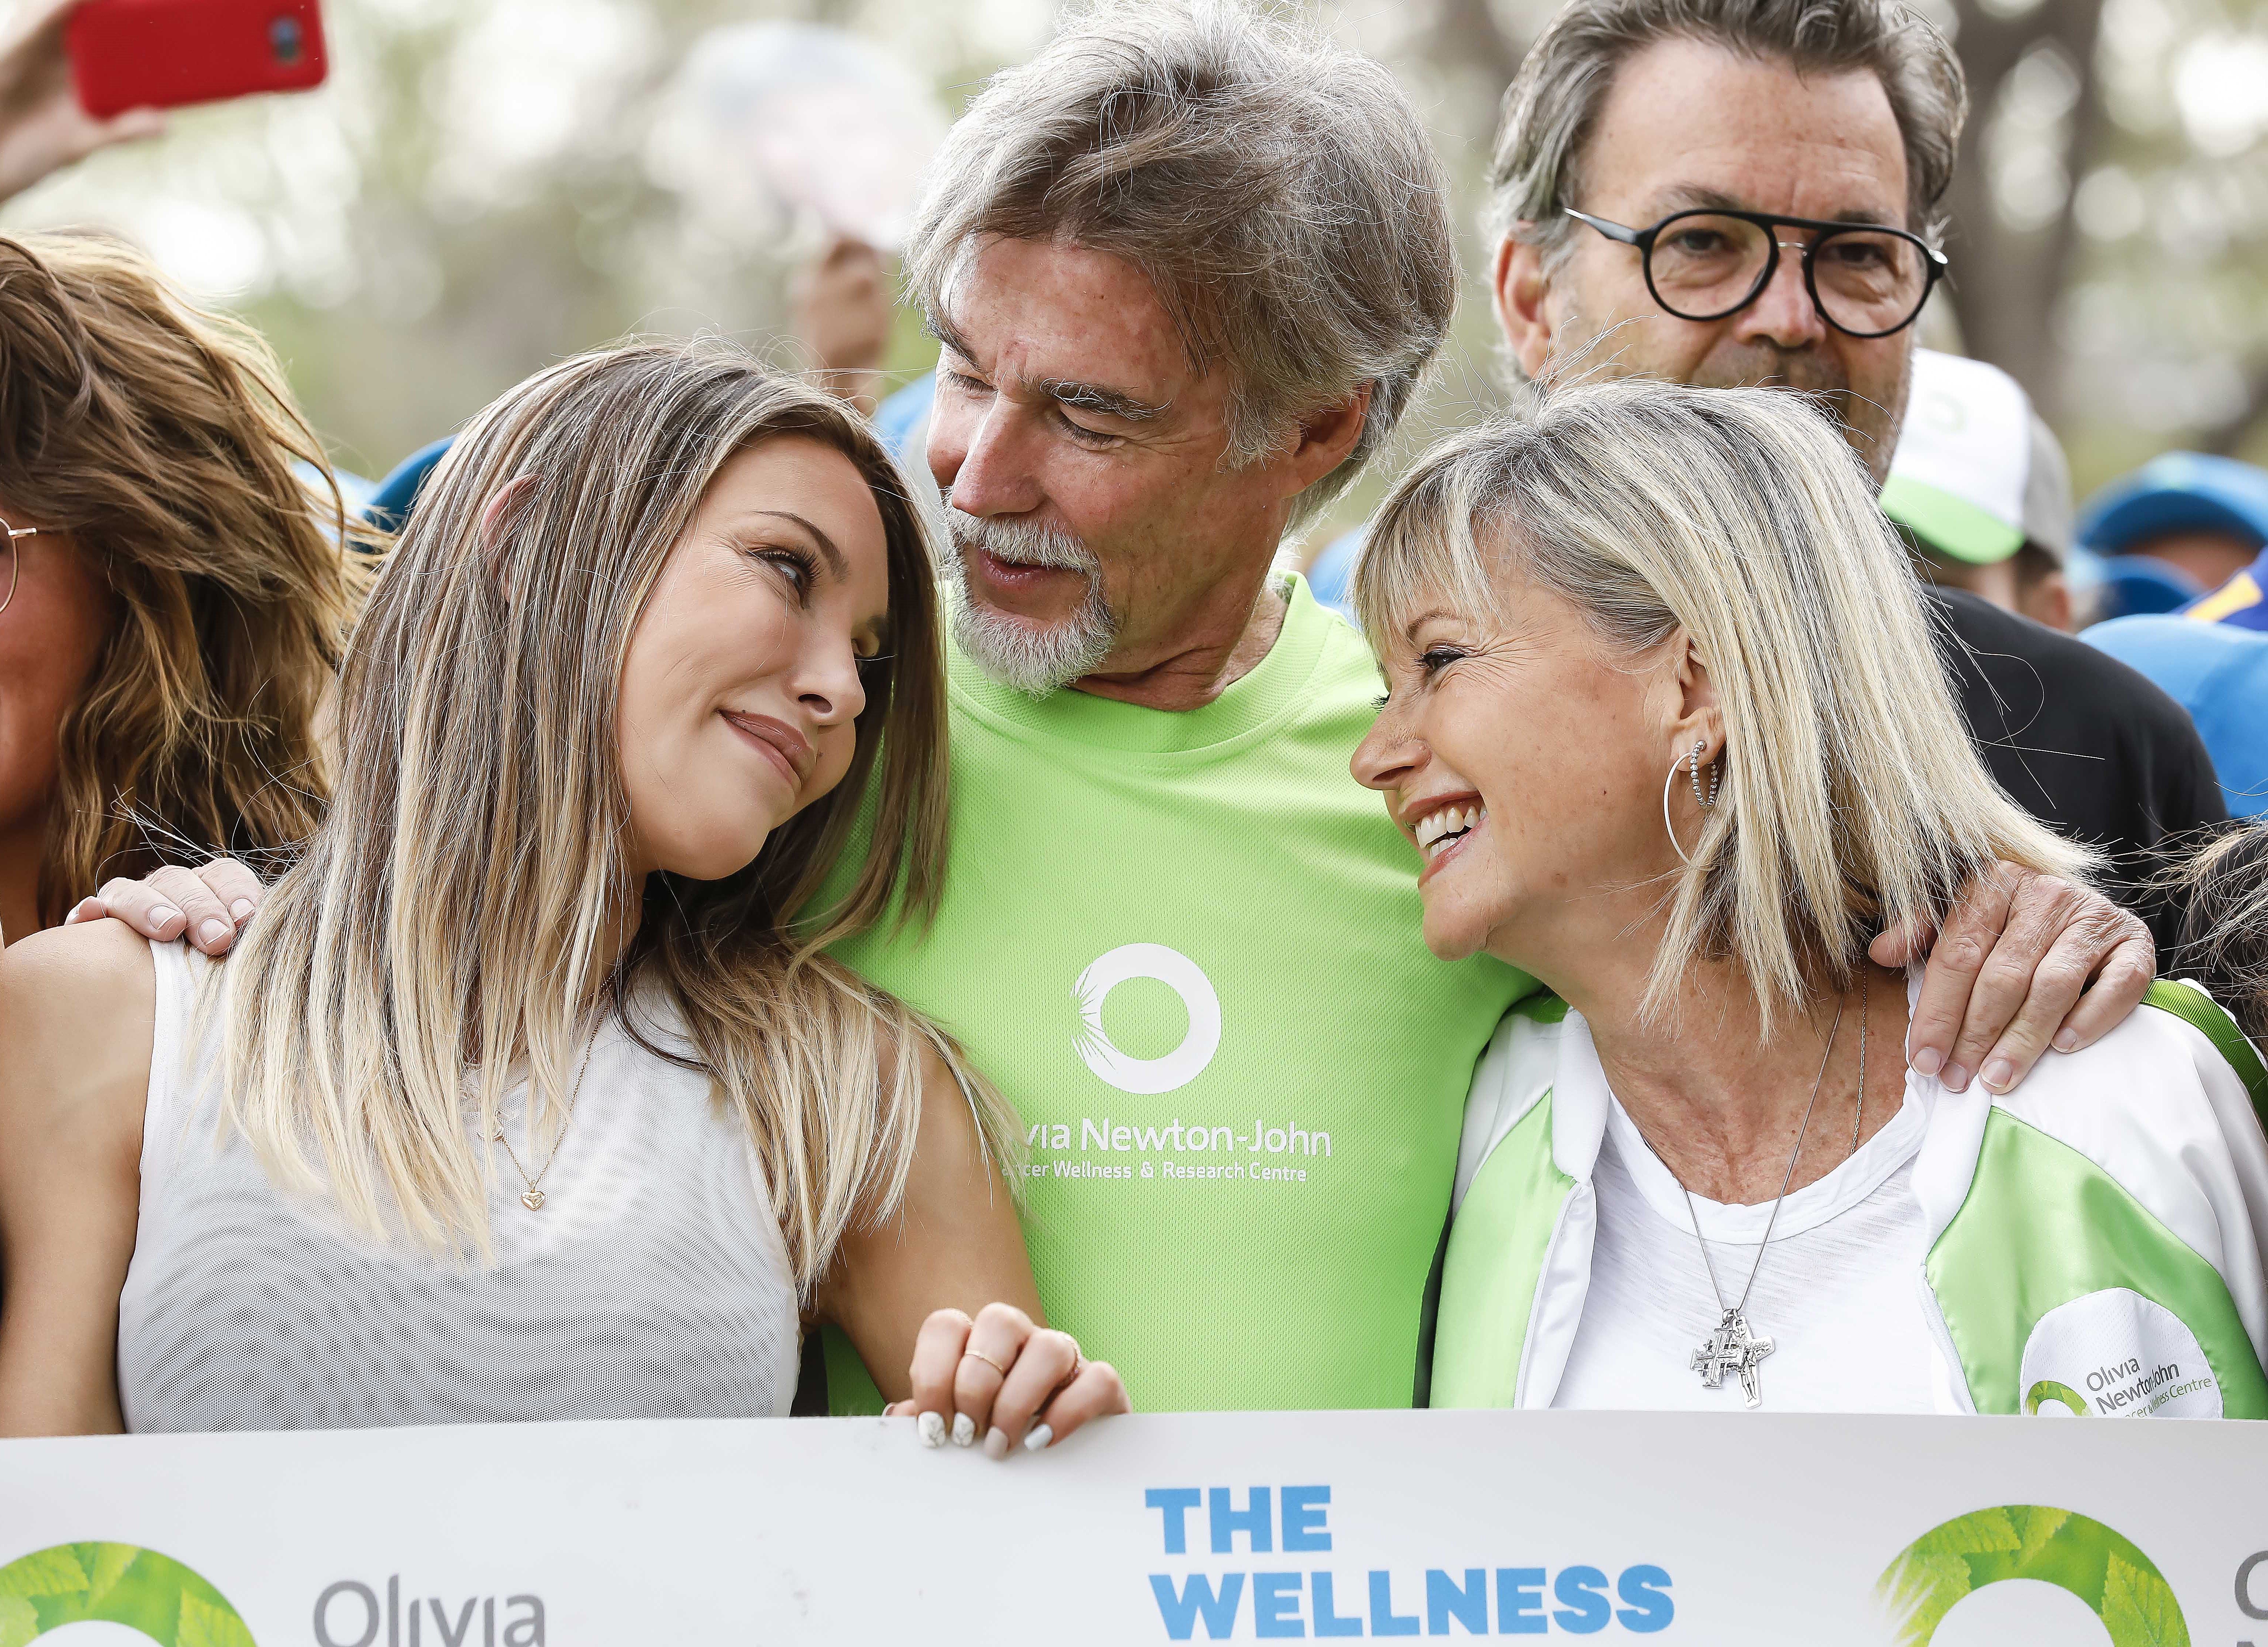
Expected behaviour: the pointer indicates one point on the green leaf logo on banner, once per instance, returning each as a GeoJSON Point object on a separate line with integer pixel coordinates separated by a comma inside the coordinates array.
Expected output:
{"type": "Point", "coordinates": [118, 1583]}
{"type": "Point", "coordinates": [2117, 1581]}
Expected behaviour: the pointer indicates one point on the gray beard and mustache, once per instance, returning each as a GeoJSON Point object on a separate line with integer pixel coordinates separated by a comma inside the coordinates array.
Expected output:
{"type": "Point", "coordinates": [1871, 428]}
{"type": "Point", "coordinates": [1033, 659]}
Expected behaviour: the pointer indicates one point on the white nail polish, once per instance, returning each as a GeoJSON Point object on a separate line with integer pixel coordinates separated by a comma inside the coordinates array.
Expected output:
{"type": "Point", "coordinates": [211, 932]}
{"type": "Point", "coordinates": [240, 908]}
{"type": "Point", "coordinates": [996, 1443]}
{"type": "Point", "coordinates": [931, 1426]}
{"type": "Point", "coordinates": [964, 1431]}
{"type": "Point", "coordinates": [163, 913]}
{"type": "Point", "coordinates": [1039, 1439]}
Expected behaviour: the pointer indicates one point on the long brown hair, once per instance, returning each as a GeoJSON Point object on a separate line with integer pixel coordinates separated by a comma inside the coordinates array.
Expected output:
{"type": "Point", "coordinates": [162, 438]}
{"type": "Point", "coordinates": [453, 909]}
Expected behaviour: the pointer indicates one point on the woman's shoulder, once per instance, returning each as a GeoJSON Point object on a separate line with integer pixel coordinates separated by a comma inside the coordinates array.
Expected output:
{"type": "Point", "coordinates": [85, 978]}
{"type": "Point", "coordinates": [1513, 1076]}
{"type": "Point", "coordinates": [2173, 1048]}
{"type": "Point", "coordinates": [2158, 1104]}
{"type": "Point", "coordinates": [78, 1016]}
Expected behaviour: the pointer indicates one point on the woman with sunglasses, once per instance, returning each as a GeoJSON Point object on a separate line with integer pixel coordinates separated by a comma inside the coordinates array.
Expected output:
{"type": "Point", "coordinates": [172, 597]}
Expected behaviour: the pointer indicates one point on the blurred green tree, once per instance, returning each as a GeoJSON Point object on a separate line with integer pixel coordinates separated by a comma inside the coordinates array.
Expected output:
{"type": "Point", "coordinates": [476, 194]}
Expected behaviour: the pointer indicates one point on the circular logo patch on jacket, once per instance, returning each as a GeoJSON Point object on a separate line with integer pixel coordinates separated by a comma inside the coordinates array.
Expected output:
{"type": "Point", "coordinates": [2115, 1354]}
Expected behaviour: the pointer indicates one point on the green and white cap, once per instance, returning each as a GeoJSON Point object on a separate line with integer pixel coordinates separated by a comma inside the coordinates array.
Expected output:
{"type": "Point", "coordinates": [1976, 474]}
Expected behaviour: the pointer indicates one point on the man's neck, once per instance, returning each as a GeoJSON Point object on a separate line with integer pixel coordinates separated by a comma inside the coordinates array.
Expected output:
{"type": "Point", "coordinates": [1194, 674]}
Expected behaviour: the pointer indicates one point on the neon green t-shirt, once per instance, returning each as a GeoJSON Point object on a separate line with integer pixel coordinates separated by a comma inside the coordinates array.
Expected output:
{"type": "Point", "coordinates": [1186, 947]}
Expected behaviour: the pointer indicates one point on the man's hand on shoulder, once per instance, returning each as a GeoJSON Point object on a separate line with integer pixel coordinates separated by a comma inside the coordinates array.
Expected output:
{"type": "Point", "coordinates": [208, 905]}
{"type": "Point", "coordinates": [2024, 961]}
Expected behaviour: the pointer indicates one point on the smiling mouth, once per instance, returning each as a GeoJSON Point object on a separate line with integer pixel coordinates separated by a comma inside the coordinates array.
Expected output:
{"type": "Point", "coordinates": [787, 749]}
{"type": "Point", "coordinates": [1442, 831]}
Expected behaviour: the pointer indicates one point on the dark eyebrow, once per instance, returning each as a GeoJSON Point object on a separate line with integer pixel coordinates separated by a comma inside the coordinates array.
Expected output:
{"type": "Point", "coordinates": [942, 329]}
{"type": "Point", "coordinates": [1100, 398]}
{"type": "Point", "coordinates": [835, 563]}
{"type": "Point", "coordinates": [1693, 197]}
{"type": "Point", "coordinates": [1096, 397]}
{"type": "Point", "coordinates": [1410, 630]}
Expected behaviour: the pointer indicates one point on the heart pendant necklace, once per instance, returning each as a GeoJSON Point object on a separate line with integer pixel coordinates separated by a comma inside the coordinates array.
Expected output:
{"type": "Point", "coordinates": [532, 1198]}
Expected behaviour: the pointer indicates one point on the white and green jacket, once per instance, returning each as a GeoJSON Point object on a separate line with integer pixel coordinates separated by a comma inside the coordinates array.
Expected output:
{"type": "Point", "coordinates": [2111, 1210]}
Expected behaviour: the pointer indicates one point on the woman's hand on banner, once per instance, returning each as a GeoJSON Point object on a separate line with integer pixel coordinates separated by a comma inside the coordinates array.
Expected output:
{"type": "Point", "coordinates": [1006, 1379]}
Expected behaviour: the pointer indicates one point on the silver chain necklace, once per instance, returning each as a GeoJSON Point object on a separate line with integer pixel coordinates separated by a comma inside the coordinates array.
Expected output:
{"type": "Point", "coordinates": [1732, 1347]}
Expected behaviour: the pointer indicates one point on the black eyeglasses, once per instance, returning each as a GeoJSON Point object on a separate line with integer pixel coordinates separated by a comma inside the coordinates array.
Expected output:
{"type": "Point", "coordinates": [1866, 279]}
{"type": "Point", "coordinates": [8, 558]}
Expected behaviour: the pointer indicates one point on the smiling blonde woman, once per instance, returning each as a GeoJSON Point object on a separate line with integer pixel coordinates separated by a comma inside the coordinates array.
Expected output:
{"type": "Point", "coordinates": [528, 1097]}
{"type": "Point", "coordinates": [1666, 724]}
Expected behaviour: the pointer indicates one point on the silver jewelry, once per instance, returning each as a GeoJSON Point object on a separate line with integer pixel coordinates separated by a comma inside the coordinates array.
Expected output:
{"type": "Point", "coordinates": [1732, 1347]}
{"type": "Point", "coordinates": [532, 1198]}
{"type": "Point", "coordinates": [1716, 775]}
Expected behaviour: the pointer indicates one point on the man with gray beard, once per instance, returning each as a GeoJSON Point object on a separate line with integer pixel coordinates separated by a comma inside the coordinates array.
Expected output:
{"type": "Point", "coordinates": [1187, 271]}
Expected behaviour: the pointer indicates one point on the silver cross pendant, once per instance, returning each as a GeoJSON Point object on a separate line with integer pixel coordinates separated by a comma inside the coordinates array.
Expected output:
{"type": "Point", "coordinates": [1731, 1348]}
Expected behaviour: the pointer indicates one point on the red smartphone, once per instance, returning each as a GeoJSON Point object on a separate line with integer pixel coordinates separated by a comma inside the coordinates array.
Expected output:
{"type": "Point", "coordinates": [161, 54]}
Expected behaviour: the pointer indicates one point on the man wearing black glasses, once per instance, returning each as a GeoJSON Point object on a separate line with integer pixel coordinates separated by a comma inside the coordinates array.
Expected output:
{"type": "Point", "coordinates": [1745, 192]}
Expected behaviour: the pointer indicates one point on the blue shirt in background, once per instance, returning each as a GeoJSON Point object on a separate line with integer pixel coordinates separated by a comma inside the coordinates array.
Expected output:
{"type": "Point", "coordinates": [2216, 671]}
{"type": "Point", "coordinates": [1330, 578]}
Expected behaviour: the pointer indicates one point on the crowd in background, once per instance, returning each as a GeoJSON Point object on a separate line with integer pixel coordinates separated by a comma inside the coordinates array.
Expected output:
{"type": "Point", "coordinates": [1756, 871]}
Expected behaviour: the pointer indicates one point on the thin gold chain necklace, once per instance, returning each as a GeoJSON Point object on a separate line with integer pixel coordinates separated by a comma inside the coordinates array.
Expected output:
{"type": "Point", "coordinates": [532, 1198]}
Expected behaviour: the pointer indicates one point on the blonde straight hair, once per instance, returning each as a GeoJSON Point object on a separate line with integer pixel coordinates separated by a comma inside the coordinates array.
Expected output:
{"type": "Point", "coordinates": [1852, 798]}
{"type": "Point", "coordinates": [450, 913]}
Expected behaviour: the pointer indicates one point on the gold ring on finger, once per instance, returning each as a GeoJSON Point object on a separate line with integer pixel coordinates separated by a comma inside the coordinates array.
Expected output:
{"type": "Point", "coordinates": [978, 1354]}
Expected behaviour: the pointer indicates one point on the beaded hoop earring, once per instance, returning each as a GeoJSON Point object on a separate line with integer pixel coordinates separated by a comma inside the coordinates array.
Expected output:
{"type": "Point", "coordinates": [1707, 802]}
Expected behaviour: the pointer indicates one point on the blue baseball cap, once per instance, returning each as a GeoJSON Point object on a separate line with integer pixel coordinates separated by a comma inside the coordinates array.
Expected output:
{"type": "Point", "coordinates": [2181, 492]}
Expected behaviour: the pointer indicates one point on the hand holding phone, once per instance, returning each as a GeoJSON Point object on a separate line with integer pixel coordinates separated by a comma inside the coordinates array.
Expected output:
{"type": "Point", "coordinates": [42, 125]}
{"type": "Point", "coordinates": [162, 53]}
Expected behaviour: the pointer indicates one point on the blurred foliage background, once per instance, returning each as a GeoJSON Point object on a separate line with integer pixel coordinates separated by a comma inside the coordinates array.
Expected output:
{"type": "Point", "coordinates": [478, 191]}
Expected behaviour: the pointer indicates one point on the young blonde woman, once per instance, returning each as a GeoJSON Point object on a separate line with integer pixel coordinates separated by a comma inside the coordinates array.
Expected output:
{"type": "Point", "coordinates": [527, 1099]}
{"type": "Point", "coordinates": [172, 597]}
{"type": "Point", "coordinates": [1666, 726]}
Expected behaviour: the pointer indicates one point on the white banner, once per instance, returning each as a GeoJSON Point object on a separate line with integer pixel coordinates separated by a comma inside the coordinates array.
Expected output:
{"type": "Point", "coordinates": [1693, 1529]}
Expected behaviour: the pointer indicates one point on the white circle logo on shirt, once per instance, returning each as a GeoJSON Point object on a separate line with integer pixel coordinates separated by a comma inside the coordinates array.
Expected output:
{"type": "Point", "coordinates": [1170, 967]}
{"type": "Point", "coordinates": [2115, 1354]}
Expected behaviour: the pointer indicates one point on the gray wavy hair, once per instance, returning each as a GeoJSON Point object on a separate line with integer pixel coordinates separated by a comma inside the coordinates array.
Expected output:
{"type": "Point", "coordinates": [1280, 195]}
{"type": "Point", "coordinates": [1552, 105]}
{"type": "Point", "coordinates": [1853, 798]}
{"type": "Point", "coordinates": [2222, 889]}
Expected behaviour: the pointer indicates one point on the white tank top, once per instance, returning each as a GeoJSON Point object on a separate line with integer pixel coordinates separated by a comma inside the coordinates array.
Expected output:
{"type": "Point", "coordinates": [652, 1283]}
